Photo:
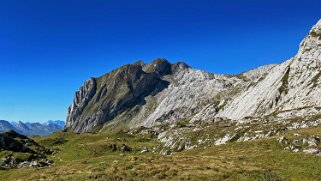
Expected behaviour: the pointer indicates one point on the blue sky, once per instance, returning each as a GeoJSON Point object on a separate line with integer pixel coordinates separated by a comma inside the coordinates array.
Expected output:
{"type": "Point", "coordinates": [49, 48]}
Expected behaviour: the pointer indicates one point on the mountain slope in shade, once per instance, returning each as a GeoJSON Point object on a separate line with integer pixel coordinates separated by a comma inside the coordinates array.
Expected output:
{"type": "Point", "coordinates": [161, 93]}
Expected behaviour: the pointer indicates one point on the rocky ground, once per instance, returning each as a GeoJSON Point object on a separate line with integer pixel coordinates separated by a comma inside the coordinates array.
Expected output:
{"type": "Point", "coordinates": [138, 155]}
{"type": "Point", "coordinates": [18, 151]}
{"type": "Point", "coordinates": [309, 144]}
{"type": "Point", "coordinates": [188, 108]}
{"type": "Point", "coordinates": [186, 135]}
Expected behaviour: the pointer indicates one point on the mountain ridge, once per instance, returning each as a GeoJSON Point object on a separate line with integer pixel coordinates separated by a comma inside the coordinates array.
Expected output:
{"type": "Point", "coordinates": [160, 93]}
{"type": "Point", "coordinates": [32, 129]}
{"type": "Point", "coordinates": [287, 80]}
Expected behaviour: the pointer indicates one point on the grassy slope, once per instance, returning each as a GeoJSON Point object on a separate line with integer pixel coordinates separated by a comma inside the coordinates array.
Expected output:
{"type": "Point", "coordinates": [88, 157]}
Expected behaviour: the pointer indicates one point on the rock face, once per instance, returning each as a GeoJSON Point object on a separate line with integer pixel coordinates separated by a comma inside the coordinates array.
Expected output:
{"type": "Point", "coordinates": [161, 93]}
{"type": "Point", "coordinates": [119, 92]}
{"type": "Point", "coordinates": [291, 86]}
{"type": "Point", "coordinates": [147, 94]}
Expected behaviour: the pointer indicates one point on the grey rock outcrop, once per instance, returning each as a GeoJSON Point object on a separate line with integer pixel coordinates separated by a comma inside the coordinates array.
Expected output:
{"type": "Point", "coordinates": [288, 87]}
{"type": "Point", "coordinates": [301, 143]}
{"type": "Point", "coordinates": [160, 93]}
{"type": "Point", "coordinates": [148, 94]}
{"type": "Point", "coordinates": [119, 92]}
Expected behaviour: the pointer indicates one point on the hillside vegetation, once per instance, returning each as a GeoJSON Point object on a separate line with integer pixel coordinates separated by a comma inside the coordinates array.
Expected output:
{"type": "Point", "coordinates": [99, 156]}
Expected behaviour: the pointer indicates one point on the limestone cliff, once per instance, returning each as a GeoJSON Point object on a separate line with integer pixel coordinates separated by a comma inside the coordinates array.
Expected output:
{"type": "Point", "coordinates": [290, 89]}
{"type": "Point", "coordinates": [161, 93]}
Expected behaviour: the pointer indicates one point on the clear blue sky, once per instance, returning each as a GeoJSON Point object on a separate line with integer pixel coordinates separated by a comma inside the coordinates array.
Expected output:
{"type": "Point", "coordinates": [48, 48]}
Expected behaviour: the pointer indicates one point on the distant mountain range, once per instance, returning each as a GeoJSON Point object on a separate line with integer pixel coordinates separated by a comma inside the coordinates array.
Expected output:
{"type": "Point", "coordinates": [30, 129]}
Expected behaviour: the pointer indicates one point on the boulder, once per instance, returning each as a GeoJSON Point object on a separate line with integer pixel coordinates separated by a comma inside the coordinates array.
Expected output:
{"type": "Point", "coordinates": [125, 148]}
{"type": "Point", "coordinates": [311, 151]}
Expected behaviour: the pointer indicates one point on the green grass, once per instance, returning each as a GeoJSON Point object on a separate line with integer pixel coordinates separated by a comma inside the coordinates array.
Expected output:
{"type": "Point", "coordinates": [88, 156]}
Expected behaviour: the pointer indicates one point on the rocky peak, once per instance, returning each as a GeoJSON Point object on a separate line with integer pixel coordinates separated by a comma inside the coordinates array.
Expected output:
{"type": "Point", "coordinates": [307, 63]}
{"type": "Point", "coordinates": [162, 93]}
{"type": "Point", "coordinates": [160, 66]}
{"type": "Point", "coordinates": [5, 125]}
{"type": "Point", "coordinates": [179, 66]}
{"type": "Point", "coordinates": [145, 94]}
{"type": "Point", "coordinates": [101, 99]}
{"type": "Point", "coordinates": [311, 45]}
{"type": "Point", "coordinates": [22, 126]}
{"type": "Point", "coordinates": [140, 62]}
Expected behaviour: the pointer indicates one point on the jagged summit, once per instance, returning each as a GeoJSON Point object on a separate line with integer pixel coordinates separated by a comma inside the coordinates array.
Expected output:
{"type": "Point", "coordinates": [159, 93]}
{"type": "Point", "coordinates": [102, 99]}
{"type": "Point", "coordinates": [160, 66]}
{"type": "Point", "coordinates": [142, 94]}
